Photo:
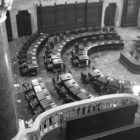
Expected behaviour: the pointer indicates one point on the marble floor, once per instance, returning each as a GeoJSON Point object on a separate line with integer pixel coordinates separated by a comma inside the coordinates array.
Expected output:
{"type": "Point", "coordinates": [106, 61]}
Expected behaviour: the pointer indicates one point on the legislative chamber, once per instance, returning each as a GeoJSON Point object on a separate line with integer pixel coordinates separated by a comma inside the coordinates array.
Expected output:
{"type": "Point", "coordinates": [70, 69]}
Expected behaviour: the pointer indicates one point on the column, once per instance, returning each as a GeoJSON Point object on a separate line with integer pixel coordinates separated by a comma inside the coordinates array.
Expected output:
{"type": "Point", "coordinates": [117, 15]}
{"type": "Point", "coordinates": [35, 18]}
{"type": "Point", "coordinates": [120, 8]}
{"type": "Point", "coordinates": [8, 118]}
{"type": "Point", "coordinates": [33, 14]}
{"type": "Point", "coordinates": [13, 14]}
{"type": "Point", "coordinates": [105, 5]}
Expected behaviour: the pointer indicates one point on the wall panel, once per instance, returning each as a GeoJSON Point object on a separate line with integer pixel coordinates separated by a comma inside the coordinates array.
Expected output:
{"type": "Point", "coordinates": [59, 18]}
{"type": "Point", "coordinates": [130, 12]}
{"type": "Point", "coordinates": [80, 15]}
{"type": "Point", "coordinates": [70, 16]}
{"type": "Point", "coordinates": [93, 16]}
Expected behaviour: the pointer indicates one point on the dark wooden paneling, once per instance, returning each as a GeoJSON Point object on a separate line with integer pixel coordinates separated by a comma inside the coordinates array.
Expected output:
{"type": "Point", "coordinates": [70, 16]}
{"type": "Point", "coordinates": [46, 19]}
{"type": "Point", "coordinates": [80, 15]}
{"type": "Point", "coordinates": [130, 12]}
{"type": "Point", "coordinates": [130, 132]}
{"type": "Point", "coordinates": [102, 121]}
{"type": "Point", "coordinates": [60, 18]}
{"type": "Point", "coordinates": [94, 11]}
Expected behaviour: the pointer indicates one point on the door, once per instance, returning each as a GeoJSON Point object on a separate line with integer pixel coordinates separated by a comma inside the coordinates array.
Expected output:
{"type": "Point", "coordinates": [110, 15]}
{"type": "Point", "coordinates": [24, 23]}
{"type": "Point", "coordinates": [130, 13]}
{"type": "Point", "coordinates": [8, 27]}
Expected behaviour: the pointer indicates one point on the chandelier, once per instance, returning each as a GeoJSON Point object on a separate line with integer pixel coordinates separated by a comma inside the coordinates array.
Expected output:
{"type": "Point", "coordinates": [4, 6]}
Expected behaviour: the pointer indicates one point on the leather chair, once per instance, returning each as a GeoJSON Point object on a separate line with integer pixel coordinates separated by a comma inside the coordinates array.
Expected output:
{"type": "Point", "coordinates": [27, 87]}
{"type": "Point", "coordinates": [132, 52]}
{"type": "Point", "coordinates": [30, 95]}
{"type": "Point", "coordinates": [38, 110]}
{"type": "Point", "coordinates": [97, 29]}
{"type": "Point", "coordinates": [55, 39]}
{"type": "Point", "coordinates": [96, 86]}
{"type": "Point", "coordinates": [76, 46]}
{"type": "Point", "coordinates": [22, 60]}
{"type": "Point", "coordinates": [51, 43]}
{"type": "Point", "coordinates": [76, 31]}
{"type": "Point", "coordinates": [111, 29]}
{"type": "Point", "coordinates": [83, 30]}
{"type": "Point", "coordinates": [75, 62]}
{"type": "Point", "coordinates": [110, 37]}
{"type": "Point", "coordinates": [101, 37]}
{"type": "Point", "coordinates": [90, 29]}
{"type": "Point", "coordinates": [93, 39]}
{"type": "Point", "coordinates": [32, 72]}
{"type": "Point", "coordinates": [34, 103]}
{"type": "Point", "coordinates": [85, 41]}
{"type": "Point", "coordinates": [61, 36]}
{"type": "Point", "coordinates": [68, 33]}
{"type": "Point", "coordinates": [137, 58]}
{"type": "Point", "coordinates": [49, 67]}
{"type": "Point", "coordinates": [117, 37]}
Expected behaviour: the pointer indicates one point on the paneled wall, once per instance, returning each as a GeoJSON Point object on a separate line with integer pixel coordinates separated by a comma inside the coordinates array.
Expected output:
{"type": "Point", "coordinates": [59, 18]}
{"type": "Point", "coordinates": [130, 12]}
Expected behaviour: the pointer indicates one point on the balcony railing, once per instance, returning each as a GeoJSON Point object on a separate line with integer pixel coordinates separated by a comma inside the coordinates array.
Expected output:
{"type": "Point", "coordinates": [53, 118]}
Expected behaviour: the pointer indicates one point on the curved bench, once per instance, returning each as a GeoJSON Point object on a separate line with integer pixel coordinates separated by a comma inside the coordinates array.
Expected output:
{"type": "Point", "coordinates": [28, 63]}
{"type": "Point", "coordinates": [130, 62]}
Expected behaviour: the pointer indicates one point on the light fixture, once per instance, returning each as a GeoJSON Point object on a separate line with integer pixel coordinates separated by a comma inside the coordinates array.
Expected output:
{"type": "Point", "coordinates": [136, 90]}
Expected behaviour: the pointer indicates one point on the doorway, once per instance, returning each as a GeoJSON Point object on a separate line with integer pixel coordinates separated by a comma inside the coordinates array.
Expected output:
{"type": "Point", "coordinates": [110, 13]}
{"type": "Point", "coordinates": [130, 13]}
{"type": "Point", "coordinates": [24, 23]}
{"type": "Point", "coordinates": [8, 27]}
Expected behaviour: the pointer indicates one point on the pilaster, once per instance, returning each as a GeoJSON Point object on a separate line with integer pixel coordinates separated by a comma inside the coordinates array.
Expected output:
{"type": "Point", "coordinates": [13, 14]}
{"type": "Point", "coordinates": [105, 5]}
{"type": "Point", "coordinates": [8, 121]}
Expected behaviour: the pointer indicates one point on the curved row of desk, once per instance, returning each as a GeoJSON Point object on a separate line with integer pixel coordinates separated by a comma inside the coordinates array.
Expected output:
{"type": "Point", "coordinates": [38, 96]}
{"type": "Point", "coordinates": [69, 89]}
{"type": "Point", "coordinates": [92, 47]}
{"type": "Point", "coordinates": [114, 85]}
{"type": "Point", "coordinates": [107, 85]}
{"type": "Point", "coordinates": [27, 58]}
{"type": "Point", "coordinates": [58, 44]}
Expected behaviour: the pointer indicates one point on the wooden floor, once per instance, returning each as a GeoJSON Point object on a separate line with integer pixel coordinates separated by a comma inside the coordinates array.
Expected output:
{"type": "Point", "coordinates": [106, 61]}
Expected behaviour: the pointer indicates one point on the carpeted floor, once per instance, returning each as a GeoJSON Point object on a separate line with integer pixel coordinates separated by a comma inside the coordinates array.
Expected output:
{"type": "Point", "coordinates": [106, 61]}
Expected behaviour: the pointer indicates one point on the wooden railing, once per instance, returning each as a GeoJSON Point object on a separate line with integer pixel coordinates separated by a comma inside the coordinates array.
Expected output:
{"type": "Point", "coordinates": [52, 119]}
